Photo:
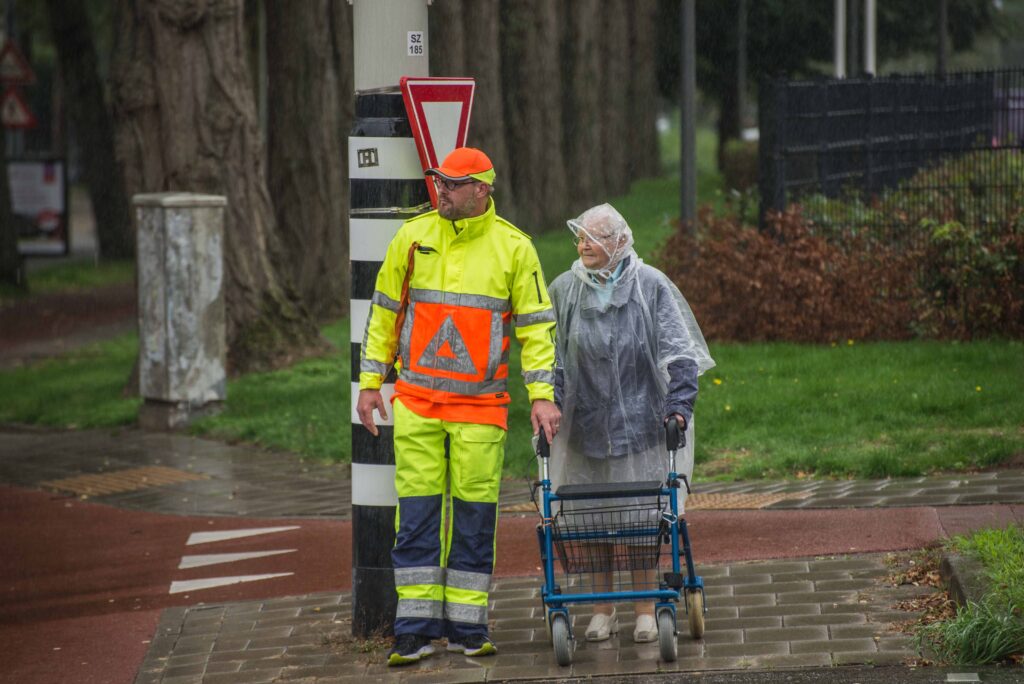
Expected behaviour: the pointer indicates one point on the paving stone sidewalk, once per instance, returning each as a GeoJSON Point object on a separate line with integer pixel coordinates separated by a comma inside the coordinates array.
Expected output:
{"type": "Point", "coordinates": [780, 614]}
{"type": "Point", "coordinates": [816, 612]}
{"type": "Point", "coordinates": [204, 477]}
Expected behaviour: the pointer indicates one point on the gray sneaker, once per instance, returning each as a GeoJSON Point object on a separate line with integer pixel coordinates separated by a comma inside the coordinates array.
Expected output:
{"type": "Point", "coordinates": [473, 646]}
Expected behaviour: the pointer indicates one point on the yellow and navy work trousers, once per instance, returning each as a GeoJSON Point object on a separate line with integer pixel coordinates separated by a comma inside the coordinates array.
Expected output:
{"type": "Point", "coordinates": [443, 574]}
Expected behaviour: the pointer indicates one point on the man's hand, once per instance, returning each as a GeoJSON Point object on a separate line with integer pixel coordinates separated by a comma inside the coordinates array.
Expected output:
{"type": "Point", "coordinates": [544, 414]}
{"type": "Point", "coordinates": [370, 399]}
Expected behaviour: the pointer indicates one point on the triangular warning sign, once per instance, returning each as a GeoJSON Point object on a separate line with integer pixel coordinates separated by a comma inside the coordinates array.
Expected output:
{"type": "Point", "coordinates": [447, 351]}
{"type": "Point", "coordinates": [14, 68]}
{"type": "Point", "coordinates": [439, 111]}
{"type": "Point", "coordinates": [14, 111]}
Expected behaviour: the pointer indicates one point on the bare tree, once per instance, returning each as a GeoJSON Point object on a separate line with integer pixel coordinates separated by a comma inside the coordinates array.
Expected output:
{"type": "Point", "coordinates": [487, 130]}
{"type": "Point", "coordinates": [12, 266]}
{"type": "Point", "coordinates": [615, 113]}
{"type": "Point", "coordinates": [531, 75]}
{"type": "Point", "coordinates": [583, 104]}
{"type": "Point", "coordinates": [447, 37]}
{"type": "Point", "coordinates": [186, 121]}
{"type": "Point", "coordinates": [73, 36]}
{"type": "Point", "coordinates": [309, 44]}
{"type": "Point", "coordinates": [643, 90]}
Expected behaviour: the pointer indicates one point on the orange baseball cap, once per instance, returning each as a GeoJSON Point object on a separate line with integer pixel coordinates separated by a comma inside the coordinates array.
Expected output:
{"type": "Point", "coordinates": [463, 163]}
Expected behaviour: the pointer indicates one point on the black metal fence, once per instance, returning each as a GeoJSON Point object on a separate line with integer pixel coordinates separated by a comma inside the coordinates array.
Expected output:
{"type": "Point", "coordinates": [893, 153]}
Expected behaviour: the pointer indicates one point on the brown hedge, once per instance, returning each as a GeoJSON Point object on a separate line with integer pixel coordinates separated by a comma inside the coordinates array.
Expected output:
{"type": "Point", "coordinates": [785, 283]}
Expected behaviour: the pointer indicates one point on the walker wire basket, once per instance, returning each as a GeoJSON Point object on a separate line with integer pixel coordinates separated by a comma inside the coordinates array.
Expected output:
{"type": "Point", "coordinates": [618, 536]}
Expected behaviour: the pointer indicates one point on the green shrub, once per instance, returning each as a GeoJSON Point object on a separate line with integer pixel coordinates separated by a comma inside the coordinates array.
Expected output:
{"type": "Point", "coordinates": [992, 629]}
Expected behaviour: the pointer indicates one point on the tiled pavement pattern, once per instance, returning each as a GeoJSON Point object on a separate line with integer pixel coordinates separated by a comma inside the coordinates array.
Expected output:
{"type": "Point", "coordinates": [816, 612]}
{"type": "Point", "coordinates": [239, 480]}
{"type": "Point", "coordinates": [1001, 486]}
{"type": "Point", "coordinates": [248, 481]}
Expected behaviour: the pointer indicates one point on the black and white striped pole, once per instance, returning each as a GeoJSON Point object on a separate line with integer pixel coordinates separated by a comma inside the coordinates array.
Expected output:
{"type": "Point", "coordinates": [387, 187]}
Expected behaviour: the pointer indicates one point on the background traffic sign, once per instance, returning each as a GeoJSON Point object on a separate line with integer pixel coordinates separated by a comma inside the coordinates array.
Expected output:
{"type": "Point", "coordinates": [14, 111]}
{"type": "Point", "coordinates": [14, 68]}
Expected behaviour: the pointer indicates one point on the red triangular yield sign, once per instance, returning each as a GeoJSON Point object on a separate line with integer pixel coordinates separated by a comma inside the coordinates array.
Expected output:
{"type": "Point", "coordinates": [439, 111]}
{"type": "Point", "coordinates": [14, 111]}
{"type": "Point", "coordinates": [14, 68]}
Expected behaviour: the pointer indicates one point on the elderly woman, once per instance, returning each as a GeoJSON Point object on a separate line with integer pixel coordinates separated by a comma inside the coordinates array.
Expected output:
{"type": "Point", "coordinates": [628, 356]}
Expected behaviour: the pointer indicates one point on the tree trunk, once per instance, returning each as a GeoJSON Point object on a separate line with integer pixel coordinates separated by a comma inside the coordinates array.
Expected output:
{"type": "Point", "coordinates": [728, 88]}
{"type": "Point", "coordinates": [307, 178]}
{"type": "Point", "coordinates": [12, 266]}
{"type": "Point", "coordinates": [615, 114]}
{"type": "Point", "coordinates": [583, 104]}
{"type": "Point", "coordinates": [487, 124]}
{"type": "Point", "coordinates": [643, 90]}
{"type": "Point", "coordinates": [187, 122]}
{"type": "Point", "coordinates": [72, 34]}
{"type": "Point", "coordinates": [447, 38]}
{"type": "Point", "coordinates": [728, 118]}
{"type": "Point", "coordinates": [531, 73]}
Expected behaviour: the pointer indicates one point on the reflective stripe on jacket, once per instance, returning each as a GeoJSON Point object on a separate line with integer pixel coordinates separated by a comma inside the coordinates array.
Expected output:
{"type": "Point", "coordinates": [472, 281]}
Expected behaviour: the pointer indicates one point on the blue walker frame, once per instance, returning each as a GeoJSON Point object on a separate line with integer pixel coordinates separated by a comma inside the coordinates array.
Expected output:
{"type": "Point", "coordinates": [672, 586]}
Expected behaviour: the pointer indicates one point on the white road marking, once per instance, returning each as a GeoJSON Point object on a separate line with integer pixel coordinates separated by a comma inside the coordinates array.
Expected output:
{"type": "Point", "coordinates": [215, 558]}
{"type": "Point", "coordinates": [962, 677]}
{"type": "Point", "coordinates": [224, 535]}
{"type": "Point", "coordinates": [211, 582]}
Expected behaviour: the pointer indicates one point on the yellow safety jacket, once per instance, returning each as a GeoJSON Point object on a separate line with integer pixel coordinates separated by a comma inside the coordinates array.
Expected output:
{"type": "Point", "coordinates": [471, 280]}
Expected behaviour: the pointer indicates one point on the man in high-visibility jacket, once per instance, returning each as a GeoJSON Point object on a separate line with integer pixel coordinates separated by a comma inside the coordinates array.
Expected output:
{"type": "Point", "coordinates": [452, 285]}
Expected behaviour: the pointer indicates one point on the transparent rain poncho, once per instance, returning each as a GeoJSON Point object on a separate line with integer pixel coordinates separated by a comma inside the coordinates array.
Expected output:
{"type": "Point", "coordinates": [624, 332]}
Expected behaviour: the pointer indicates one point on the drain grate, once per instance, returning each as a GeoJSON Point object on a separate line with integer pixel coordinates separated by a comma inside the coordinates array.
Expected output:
{"type": "Point", "coordinates": [118, 481]}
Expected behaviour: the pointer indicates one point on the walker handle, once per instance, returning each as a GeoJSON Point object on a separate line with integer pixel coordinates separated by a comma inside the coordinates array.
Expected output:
{"type": "Point", "coordinates": [674, 437]}
{"type": "Point", "coordinates": [543, 448]}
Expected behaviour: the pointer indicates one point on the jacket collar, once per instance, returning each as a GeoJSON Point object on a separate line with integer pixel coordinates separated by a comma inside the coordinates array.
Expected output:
{"type": "Point", "coordinates": [476, 224]}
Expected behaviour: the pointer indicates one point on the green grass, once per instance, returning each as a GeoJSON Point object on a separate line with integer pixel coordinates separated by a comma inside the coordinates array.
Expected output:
{"type": "Point", "coordinates": [866, 410]}
{"type": "Point", "coordinates": [82, 389]}
{"type": "Point", "coordinates": [861, 410]}
{"type": "Point", "coordinates": [303, 409]}
{"type": "Point", "coordinates": [993, 629]}
{"type": "Point", "coordinates": [72, 277]}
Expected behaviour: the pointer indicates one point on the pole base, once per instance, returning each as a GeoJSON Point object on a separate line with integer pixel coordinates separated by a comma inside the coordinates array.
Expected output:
{"type": "Point", "coordinates": [373, 602]}
{"type": "Point", "coordinates": [168, 416]}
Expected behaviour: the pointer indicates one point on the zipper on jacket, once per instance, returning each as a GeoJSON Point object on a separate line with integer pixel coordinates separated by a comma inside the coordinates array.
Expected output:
{"type": "Point", "coordinates": [536, 281]}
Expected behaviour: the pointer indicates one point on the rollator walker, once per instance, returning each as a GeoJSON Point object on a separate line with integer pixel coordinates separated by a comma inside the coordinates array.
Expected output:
{"type": "Point", "coordinates": [620, 537]}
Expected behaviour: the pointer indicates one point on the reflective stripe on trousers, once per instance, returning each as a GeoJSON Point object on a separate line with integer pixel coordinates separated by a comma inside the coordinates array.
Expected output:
{"type": "Point", "coordinates": [443, 575]}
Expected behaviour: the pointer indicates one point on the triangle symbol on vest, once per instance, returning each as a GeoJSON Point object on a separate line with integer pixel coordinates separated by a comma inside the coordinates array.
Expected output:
{"type": "Point", "coordinates": [447, 351]}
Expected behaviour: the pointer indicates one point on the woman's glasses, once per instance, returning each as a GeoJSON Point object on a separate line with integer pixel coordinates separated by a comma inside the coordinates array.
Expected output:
{"type": "Point", "coordinates": [592, 239]}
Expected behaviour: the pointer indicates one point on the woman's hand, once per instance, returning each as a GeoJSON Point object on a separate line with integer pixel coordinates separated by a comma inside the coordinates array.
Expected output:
{"type": "Point", "coordinates": [679, 419]}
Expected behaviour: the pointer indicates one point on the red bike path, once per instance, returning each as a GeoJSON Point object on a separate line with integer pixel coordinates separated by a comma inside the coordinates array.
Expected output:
{"type": "Point", "coordinates": [83, 584]}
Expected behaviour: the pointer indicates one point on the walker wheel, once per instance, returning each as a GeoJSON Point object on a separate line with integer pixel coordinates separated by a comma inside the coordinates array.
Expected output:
{"type": "Point", "coordinates": [667, 643]}
{"type": "Point", "coordinates": [695, 612]}
{"type": "Point", "coordinates": [561, 640]}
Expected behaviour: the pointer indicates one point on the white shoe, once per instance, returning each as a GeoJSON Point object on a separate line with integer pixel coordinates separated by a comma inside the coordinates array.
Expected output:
{"type": "Point", "coordinates": [602, 626]}
{"type": "Point", "coordinates": [646, 629]}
